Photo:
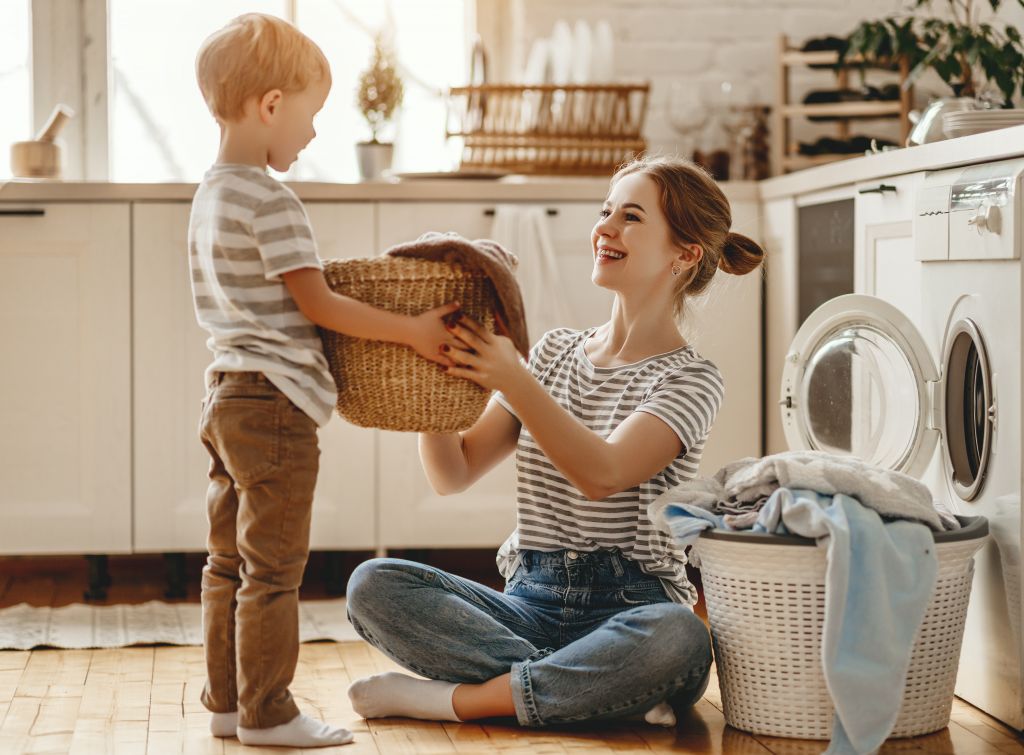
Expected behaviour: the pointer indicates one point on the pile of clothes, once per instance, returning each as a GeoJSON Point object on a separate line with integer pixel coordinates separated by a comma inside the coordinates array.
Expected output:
{"type": "Point", "coordinates": [877, 527]}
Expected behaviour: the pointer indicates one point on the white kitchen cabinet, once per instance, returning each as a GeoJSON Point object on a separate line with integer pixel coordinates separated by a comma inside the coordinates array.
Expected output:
{"type": "Point", "coordinates": [170, 357]}
{"type": "Point", "coordinates": [724, 325]}
{"type": "Point", "coordinates": [884, 260]}
{"type": "Point", "coordinates": [411, 514]}
{"type": "Point", "coordinates": [65, 391]}
{"type": "Point", "coordinates": [778, 237]}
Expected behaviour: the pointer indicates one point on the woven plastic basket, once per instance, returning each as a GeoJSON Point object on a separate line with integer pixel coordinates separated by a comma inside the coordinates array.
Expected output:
{"type": "Point", "coordinates": [388, 385]}
{"type": "Point", "coordinates": [765, 597]}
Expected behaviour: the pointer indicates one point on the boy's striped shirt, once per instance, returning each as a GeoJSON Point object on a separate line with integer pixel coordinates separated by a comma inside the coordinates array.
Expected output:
{"type": "Point", "coordinates": [246, 230]}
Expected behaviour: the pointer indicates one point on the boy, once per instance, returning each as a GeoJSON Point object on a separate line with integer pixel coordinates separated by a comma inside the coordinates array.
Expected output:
{"type": "Point", "coordinates": [260, 292]}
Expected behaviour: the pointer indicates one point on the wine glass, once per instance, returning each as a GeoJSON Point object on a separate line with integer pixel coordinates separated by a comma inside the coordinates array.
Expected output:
{"type": "Point", "coordinates": [687, 111]}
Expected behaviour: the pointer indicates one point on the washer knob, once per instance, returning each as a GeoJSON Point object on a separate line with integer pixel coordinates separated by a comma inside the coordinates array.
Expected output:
{"type": "Point", "coordinates": [987, 218]}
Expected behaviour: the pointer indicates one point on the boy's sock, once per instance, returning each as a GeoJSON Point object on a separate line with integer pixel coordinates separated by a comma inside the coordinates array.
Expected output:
{"type": "Point", "coordinates": [661, 715]}
{"type": "Point", "coordinates": [301, 731]}
{"type": "Point", "coordinates": [394, 694]}
{"type": "Point", "coordinates": [224, 724]}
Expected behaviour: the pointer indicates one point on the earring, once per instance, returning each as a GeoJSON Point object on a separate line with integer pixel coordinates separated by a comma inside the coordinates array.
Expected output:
{"type": "Point", "coordinates": [676, 270]}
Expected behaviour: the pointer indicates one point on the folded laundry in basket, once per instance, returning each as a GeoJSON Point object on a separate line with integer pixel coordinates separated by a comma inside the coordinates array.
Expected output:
{"type": "Point", "coordinates": [742, 487]}
{"type": "Point", "coordinates": [491, 259]}
{"type": "Point", "coordinates": [878, 584]}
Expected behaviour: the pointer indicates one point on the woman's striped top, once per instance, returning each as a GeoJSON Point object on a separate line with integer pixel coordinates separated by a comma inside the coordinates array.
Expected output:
{"type": "Point", "coordinates": [680, 388]}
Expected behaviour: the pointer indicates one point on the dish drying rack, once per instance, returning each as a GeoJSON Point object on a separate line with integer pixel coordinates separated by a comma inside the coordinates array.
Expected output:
{"type": "Point", "coordinates": [579, 129]}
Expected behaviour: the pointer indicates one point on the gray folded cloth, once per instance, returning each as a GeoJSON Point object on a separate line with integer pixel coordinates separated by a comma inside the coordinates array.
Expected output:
{"type": "Point", "coordinates": [740, 488]}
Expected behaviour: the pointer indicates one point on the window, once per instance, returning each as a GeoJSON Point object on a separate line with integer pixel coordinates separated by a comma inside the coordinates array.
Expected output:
{"type": "Point", "coordinates": [15, 36]}
{"type": "Point", "coordinates": [160, 129]}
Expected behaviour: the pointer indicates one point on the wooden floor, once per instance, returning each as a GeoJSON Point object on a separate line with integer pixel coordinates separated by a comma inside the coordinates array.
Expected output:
{"type": "Point", "coordinates": [146, 700]}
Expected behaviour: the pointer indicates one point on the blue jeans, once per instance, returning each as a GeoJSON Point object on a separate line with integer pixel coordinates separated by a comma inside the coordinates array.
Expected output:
{"type": "Point", "coordinates": [586, 636]}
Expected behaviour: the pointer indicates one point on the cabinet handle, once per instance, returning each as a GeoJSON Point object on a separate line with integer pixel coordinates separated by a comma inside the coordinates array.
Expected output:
{"type": "Point", "coordinates": [551, 211]}
{"type": "Point", "coordinates": [880, 189]}
{"type": "Point", "coordinates": [34, 212]}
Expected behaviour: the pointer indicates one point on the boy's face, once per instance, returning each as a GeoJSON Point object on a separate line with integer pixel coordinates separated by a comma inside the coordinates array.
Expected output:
{"type": "Point", "coordinates": [291, 123]}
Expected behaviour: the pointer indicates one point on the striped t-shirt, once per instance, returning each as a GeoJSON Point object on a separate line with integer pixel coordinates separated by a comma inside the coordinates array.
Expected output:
{"type": "Point", "coordinates": [681, 388]}
{"type": "Point", "coordinates": [246, 230]}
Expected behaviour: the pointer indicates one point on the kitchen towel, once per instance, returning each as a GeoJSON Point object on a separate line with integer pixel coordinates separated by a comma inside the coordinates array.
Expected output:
{"type": "Point", "coordinates": [525, 229]}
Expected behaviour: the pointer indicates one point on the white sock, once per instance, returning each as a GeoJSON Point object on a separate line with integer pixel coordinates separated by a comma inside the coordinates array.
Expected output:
{"type": "Point", "coordinates": [301, 731]}
{"type": "Point", "coordinates": [394, 694]}
{"type": "Point", "coordinates": [224, 724]}
{"type": "Point", "coordinates": [661, 715]}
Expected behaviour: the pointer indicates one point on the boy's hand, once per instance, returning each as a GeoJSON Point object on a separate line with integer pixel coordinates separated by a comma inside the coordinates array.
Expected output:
{"type": "Point", "coordinates": [428, 333]}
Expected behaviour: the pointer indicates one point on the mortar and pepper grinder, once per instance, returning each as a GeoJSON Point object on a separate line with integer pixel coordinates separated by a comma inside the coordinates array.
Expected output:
{"type": "Point", "coordinates": [42, 157]}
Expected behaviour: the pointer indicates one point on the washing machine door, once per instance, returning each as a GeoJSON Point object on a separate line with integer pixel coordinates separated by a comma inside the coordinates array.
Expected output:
{"type": "Point", "coordinates": [859, 380]}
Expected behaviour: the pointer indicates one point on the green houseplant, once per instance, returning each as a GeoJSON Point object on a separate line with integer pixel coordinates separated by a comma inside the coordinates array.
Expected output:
{"type": "Point", "coordinates": [378, 96]}
{"type": "Point", "coordinates": [965, 52]}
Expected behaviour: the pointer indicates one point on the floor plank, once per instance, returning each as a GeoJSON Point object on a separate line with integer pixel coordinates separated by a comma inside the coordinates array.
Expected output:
{"type": "Point", "coordinates": [146, 700]}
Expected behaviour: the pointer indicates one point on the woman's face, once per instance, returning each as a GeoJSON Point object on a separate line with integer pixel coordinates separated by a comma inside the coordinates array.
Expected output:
{"type": "Point", "coordinates": [632, 243]}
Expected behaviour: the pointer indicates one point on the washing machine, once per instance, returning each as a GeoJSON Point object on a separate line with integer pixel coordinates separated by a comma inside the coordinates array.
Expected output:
{"type": "Point", "coordinates": [940, 398]}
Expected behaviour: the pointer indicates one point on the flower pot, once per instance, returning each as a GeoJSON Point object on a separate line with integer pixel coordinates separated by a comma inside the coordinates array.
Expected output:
{"type": "Point", "coordinates": [374, 158]}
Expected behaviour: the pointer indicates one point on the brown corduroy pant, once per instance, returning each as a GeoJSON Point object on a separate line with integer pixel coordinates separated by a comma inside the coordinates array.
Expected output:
{"type": "Point", "coordinates": [264, 462]}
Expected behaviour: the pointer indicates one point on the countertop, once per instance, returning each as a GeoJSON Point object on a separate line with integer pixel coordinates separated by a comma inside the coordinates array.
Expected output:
{"type": "Point", "coordinates": [509, 189]}
{"type": "Point", "coordinates": [994, 145]}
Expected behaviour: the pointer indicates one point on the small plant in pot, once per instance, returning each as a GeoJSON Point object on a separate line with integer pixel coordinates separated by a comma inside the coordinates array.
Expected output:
{"type": "Point", "coordinates": [966, 53]}
{"type": "Point", "coordinates": [378, 96]}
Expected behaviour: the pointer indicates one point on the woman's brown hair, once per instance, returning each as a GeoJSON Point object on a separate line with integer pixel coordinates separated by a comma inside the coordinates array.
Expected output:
{"type": "Point", "coordinates": [697, 213]}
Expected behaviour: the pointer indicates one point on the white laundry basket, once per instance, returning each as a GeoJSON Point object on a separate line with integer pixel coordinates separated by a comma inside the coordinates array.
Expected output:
{"type": "Point", "coordinates": [765, 597]}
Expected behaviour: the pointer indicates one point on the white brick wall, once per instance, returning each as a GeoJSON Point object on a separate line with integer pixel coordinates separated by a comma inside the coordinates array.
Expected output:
{"type": "Point", "coordinates": [703, 40]}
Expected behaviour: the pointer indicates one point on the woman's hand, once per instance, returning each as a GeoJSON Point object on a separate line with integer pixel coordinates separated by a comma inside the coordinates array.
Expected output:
{"type": "Point", "coordinates": [488, 359]}
{"type": "Point", "coordinates": [428, 335]}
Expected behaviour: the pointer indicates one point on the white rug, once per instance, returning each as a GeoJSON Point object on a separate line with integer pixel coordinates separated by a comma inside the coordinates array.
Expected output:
{"type": "Point", "coordinates": [78, 626]}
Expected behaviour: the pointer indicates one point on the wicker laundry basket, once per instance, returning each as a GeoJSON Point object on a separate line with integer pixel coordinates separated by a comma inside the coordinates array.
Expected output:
{"type": "Point", "coordinates": [388, 385]}
{"type": "Point", "coordinates": [765, 597]}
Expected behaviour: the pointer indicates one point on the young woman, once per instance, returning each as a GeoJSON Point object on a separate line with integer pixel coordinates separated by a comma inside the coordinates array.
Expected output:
{"type": "Point", "coordinates": [595, 621]}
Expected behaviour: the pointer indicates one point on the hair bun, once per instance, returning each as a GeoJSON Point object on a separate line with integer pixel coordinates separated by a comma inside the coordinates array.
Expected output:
{"type": "Point", "coordinates": [740, 255]}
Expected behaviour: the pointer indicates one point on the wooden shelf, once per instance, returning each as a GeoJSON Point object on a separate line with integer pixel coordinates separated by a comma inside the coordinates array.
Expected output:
{"type": "Point", "coordinates": [828, 58]}
{"type": "Point", "coordinates": [869, 109]}
{"type": "Point", "coordinates": [841, 115]}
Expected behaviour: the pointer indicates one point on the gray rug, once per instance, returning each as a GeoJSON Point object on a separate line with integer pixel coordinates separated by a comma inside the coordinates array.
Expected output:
{"type": "Point", "coordinates": [79, 626]}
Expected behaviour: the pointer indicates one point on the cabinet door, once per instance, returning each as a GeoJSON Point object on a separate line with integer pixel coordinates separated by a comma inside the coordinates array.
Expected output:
{"type": "Point", "coordinates": [170, 359]}
{"type": "Point", "coordinates": [884, 263]}
{"type": "Point", "coordinates": [65, 391]}
{"type": "Point", "coordinates": [411, 514]}
{"type": "Point", "coordinates": [724, 325]}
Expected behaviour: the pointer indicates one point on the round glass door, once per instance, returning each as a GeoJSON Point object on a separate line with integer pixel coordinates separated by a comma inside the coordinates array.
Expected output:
{"type": "Point", "coordinates": [969, 409]}
{"type": "Point", "coordinates": [860, 397]}
{"type": "Point", "coordinates": [856, 383]}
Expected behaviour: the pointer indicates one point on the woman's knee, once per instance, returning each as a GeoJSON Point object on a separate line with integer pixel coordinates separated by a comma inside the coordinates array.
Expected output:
{"type": "Point", "coordinates": [374, 583]}
{"type": "Point", "coordinates": [679, 637]}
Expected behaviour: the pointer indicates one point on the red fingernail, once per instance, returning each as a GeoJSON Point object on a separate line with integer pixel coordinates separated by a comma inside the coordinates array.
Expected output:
{"type": "Point", "coordinates": [446, 347]}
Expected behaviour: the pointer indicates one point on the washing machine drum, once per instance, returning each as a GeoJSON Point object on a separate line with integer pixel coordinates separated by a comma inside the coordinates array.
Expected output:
{"type": "Point", "coordinates": [859, 380]}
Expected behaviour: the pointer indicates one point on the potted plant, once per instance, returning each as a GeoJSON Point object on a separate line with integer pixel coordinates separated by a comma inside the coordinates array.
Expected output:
{"type": "Point", "coordinates": [378, 96]}
{"type": "Point", "coordinates": [965, 52]}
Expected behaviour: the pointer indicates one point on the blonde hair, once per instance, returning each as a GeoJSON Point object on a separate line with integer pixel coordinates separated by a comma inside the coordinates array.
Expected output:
{"type": "Point", "coordinates": [697, 213]}
{"type": "Point", "coordinates": [252, 55]}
